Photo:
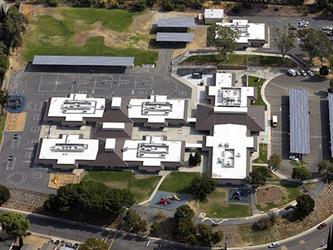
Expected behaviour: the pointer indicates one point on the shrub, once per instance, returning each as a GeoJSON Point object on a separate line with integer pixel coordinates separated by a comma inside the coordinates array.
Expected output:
{"type": "Point", "coordinates": [139, 5]}
{"type": "Point", "coordinates": [237, 8]}
{"type": "Point", "coordinates": [262, 224]}
{"type": "Point", "coordinates": [324, 71]}
{"type": "Point", "coordinates": [4, 194]}
{"type": "Point", "coordinates": [53, 3]}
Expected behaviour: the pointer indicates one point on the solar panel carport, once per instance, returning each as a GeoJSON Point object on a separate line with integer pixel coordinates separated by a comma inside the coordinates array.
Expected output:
{"type": "Point", "coordinates": [299, 121]}
{"type": "Point", "coordinates": [174, 37]}
{"type": "Point", "coordinates": [176, 22]}
{"type": "Point", "coordinates": [330, 110]}
{"type": "Point", "coordinates": [81, 63]}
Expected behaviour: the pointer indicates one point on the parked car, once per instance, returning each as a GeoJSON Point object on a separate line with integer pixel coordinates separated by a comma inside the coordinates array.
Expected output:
{"type": "Point", "coordinates": [75, 246]}
{"type": "Point", "coordinates": [321, 226]}
{"type": "Point", "coordinates": [56, 242]}
{"type": "Point", "coordinates": [298, 72]}
{"type": "Point", "coordinates": [327, 28]}
{"type": "Point", "coordinates": [273, 245]}
{"type": "Point", "coordinates": [294, 157]}
{"type": "Point", "coordinates": [303, 24]}
{"type": "Point", "coordinates": [289, 207]}
{"type": "Point", "coordinates": [274, 121]}
{"type": "Point", "coordinates": [291, 72]}
{"type": "Point", "coordinates": [310, 73]}
{"type": "Point", "coordinates": [303, 73]}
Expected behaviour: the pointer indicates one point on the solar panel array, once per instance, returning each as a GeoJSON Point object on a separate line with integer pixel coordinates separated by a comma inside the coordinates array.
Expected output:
{"type": "Point", "coordinates": [83, 61]}
{"type": "Point", "coordinates": [330, 110]}
{"type": "Point", "coordinates": [176, 22]}
{"type": "Point", "coordinates": [174, 37]}
{"type": "Point", "coordinates": [299, 121]}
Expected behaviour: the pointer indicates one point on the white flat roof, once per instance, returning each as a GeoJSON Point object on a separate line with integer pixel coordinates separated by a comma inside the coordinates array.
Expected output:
{"type": "Point", "coordinates": [116, 103]}
{"type": "Point", "coordinates": [228, 98]}
{"type": "Point", "coordinates": [247, 31]}
{"type": "Point", "coordinates": [152, 151]}
{"type": "Point", "coordinates": [229, 156]}
{"type": "Point", "coordinates": [76, 107]}
{"type": "Point", "coordinates": [110, 144]}
{"type": "Point", "coordinates": [68, 149]}
{"type": "Point", "coordinates": [113, 125]}
{"type": "Point", "coordinates": [214, 13]}
{"type": "Point", "coordinates": [156, 108]}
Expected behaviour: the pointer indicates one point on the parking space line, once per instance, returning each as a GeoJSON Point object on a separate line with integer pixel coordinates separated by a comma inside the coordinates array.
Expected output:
{"type": "Point", "coordinates": [8, 167]}
{"type": "Point", "coordinates": [27, 155]}
{"type": "Point", "coordinates": [35, 129]}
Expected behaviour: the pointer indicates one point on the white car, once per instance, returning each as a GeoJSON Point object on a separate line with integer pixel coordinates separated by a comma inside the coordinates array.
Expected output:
{"type": "Point", "coordinates": [303, 73]}
{"type": "Point", "coordinates": [298, 72]}
{"type": "Point", "coordinates": [327, 28]}
{"type": "Point", "coordinates": [303, 24]}
{"type": "Point", "coordinates": [310, 73]}
{"type": "Point", "coordinates": [273, 245]}
{"type": "Point", "coordinates": [293, 158]}
{"type": "Point", "coordinates": [291, 72]}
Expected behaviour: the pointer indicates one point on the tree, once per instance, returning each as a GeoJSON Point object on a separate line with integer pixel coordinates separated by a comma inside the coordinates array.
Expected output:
{"type": "Point", "coordinates": [258, 176]}
{"type": "Point", "coordinates": [139, 5]}
{"type": "Point", "coordinates": [3, 99]}
{"type": "Point", "coordinates": [305, 204]}
{"type": "Point", "coordinates": [284, 40]}
{"type": "Point", "coordinates": [201, 187]}
{"type": "Point", "coordinates": [316, 43]}
{"type": "Point", "coordinates": [301, 173]}
{"type": "Point", "coordinates": [206, 236]}
{"type": "Point", "coordinates": [274, 161]}
{"type": "Point", "coordinates": [12, 27]}
{"type": "Point", "coordinates": [53, 3]}
{"type": "Point", "coordinates": [325, 167]}
{"type": "Point", "coordinates": [14, 224]}
{"type": "Point", "coordinates": [195, 159]}
{"type": "Point", "coordinates": [217, 237]}
{"type": "Point", "coordinates": [186, 231]}
{"type": "Point", "coordinates": [4, 194]}
{"type": "Point", "coordinates": [324, 70]}
{"type": "Point", "coordinates": [168, 5]}
{"type": "Point", "coordinates": [89, 198]}
{"type": "Point", "coordinates": [133, 223]}
{"type": "Point", "coordinates": [191, 160]}
{"type": "Point", "coordinates": [225, 41]}
{"type": "Point", "coordinates": [183, 213]}
{"type": "Point", "coordinates": [94, 244]}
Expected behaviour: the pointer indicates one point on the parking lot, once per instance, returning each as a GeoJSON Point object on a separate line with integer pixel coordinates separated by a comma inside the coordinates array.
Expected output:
{"type": "Point", "coordinates": [18, 147]}
{"type": "Point", "coordinates": [277, 95]}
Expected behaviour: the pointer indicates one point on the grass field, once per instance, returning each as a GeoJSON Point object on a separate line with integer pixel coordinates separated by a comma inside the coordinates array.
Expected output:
{"type": "Point", "coordinates": [216, 207]}
{"type": "Point", "coordinates": [141, 187]}
{"type": "Point", "coordinates": [249, 60]}
{"type": "Point", "coordinates": [55, 36]}
{"type": "Point", "coordinates": [178, 182]}
{"type": "Point", "coordinates": [262, 154]}
{"type": "Point", "coordinates": [257, 82]}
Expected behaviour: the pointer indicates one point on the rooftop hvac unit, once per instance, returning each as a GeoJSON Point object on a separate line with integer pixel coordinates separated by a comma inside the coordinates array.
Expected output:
{"type": "Point", "coordinates": [220, 145]}
{"type": "Point", "coordinates": [123, 149]}
{"type": "Point", "coordinates": [226, 145]}
{"type": "Point", "coordinates": [238, 155]}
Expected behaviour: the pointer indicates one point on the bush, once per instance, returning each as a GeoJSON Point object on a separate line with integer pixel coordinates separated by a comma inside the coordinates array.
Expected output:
{"type": "Point", "coordinates": [150, 3]}
{"type": "Point", "coordinates": [237, 8]}
{"type": "Point", "coordinates": [201, 187]}
{"type": "Point", "coordinates": [324, 71]}
{"type": "Point", "coordinates": [4, 194]}
{"type": "Point", "coordinates": [52, 3]}
{"type": "Point", "coordinates": [262, 224]}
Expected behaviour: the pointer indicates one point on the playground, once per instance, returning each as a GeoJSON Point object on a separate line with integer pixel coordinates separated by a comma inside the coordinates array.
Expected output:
{"type": "Point", "coordinates": [239, 196]}
{"type": "Point", "coordinates": [169, 201]}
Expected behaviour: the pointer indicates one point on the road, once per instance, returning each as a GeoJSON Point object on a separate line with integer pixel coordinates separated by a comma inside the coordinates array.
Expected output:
{"type": "Point", "coordinates": [69, 230]}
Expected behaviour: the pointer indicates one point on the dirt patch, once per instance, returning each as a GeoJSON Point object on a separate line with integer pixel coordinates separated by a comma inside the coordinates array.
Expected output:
{"type": "Point", "coordinates": [36, 241]}
{"type": "Point", "coordinates": [142, 23]}
{"type": "Point", "coordinates": [112, 38]}
{"type": "Point", "coordinates": [58, 180]}
{"type": "Point", "coordinates": [15, 121]}
{"type": "Point", "coordinates": [269, 194]}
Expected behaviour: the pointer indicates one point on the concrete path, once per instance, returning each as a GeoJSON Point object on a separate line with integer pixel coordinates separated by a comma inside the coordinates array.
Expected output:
{"type": "Point", "coordinates": [166, 173]}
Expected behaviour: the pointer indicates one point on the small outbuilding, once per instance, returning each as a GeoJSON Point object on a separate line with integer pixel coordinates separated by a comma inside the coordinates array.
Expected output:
{"type": "Point", "coordinates": [213, 15]}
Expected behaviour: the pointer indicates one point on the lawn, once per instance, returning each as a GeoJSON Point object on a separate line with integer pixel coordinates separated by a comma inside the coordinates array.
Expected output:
{"type": "Point", "coordinates": [178, 182]}
{"type": "Point", "coordinates": [262, 154]}
{"type": "Point", "coordinates": [2, 126]}
{"type": "Point", "coordinates": [141, 187]}
{"type": "Point", "coordinates": [55, 36]}
{"type": "Point", "coordinates": [235, 59]}
{"type": "Point", "coordinates": [215, 206]}
{"type": "Point", "coordinates": [290, 192]}
{"type": "Point", "coordinates": [257, 82]}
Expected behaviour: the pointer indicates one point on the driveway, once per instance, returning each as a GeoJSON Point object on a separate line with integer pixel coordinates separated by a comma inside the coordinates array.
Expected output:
{"type": "Point", "coordinates": [277, 95]}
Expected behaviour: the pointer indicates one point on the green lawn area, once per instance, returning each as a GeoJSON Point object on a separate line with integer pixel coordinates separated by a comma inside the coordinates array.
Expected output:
{"type": "Point", "coordinates": [249, 60]}
{"type": "Point", "coordinates": [215, 206]}
{"type": "Point", "coordinates": [178, 182]}
{"type": "Point", "coordinates": [55, 36]}
{"type": "Point", "coordinates": [141, 187]}
{"type": "Point", "coordinates": [257, 82]}
{"type": "Point", "coordinates": [2, 125]}
{"type": "Point", "coordinates": [262, 154]}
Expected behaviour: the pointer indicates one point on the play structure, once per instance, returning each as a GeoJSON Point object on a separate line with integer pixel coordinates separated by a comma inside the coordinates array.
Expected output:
{"type": "Point", "coordinates": [166, 200]}
{"type": "Point", "coordinates": [15, 103]}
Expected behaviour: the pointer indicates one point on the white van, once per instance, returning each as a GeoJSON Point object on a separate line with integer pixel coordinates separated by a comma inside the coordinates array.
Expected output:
{"type": "Point", "coordinates": [274, 121]}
